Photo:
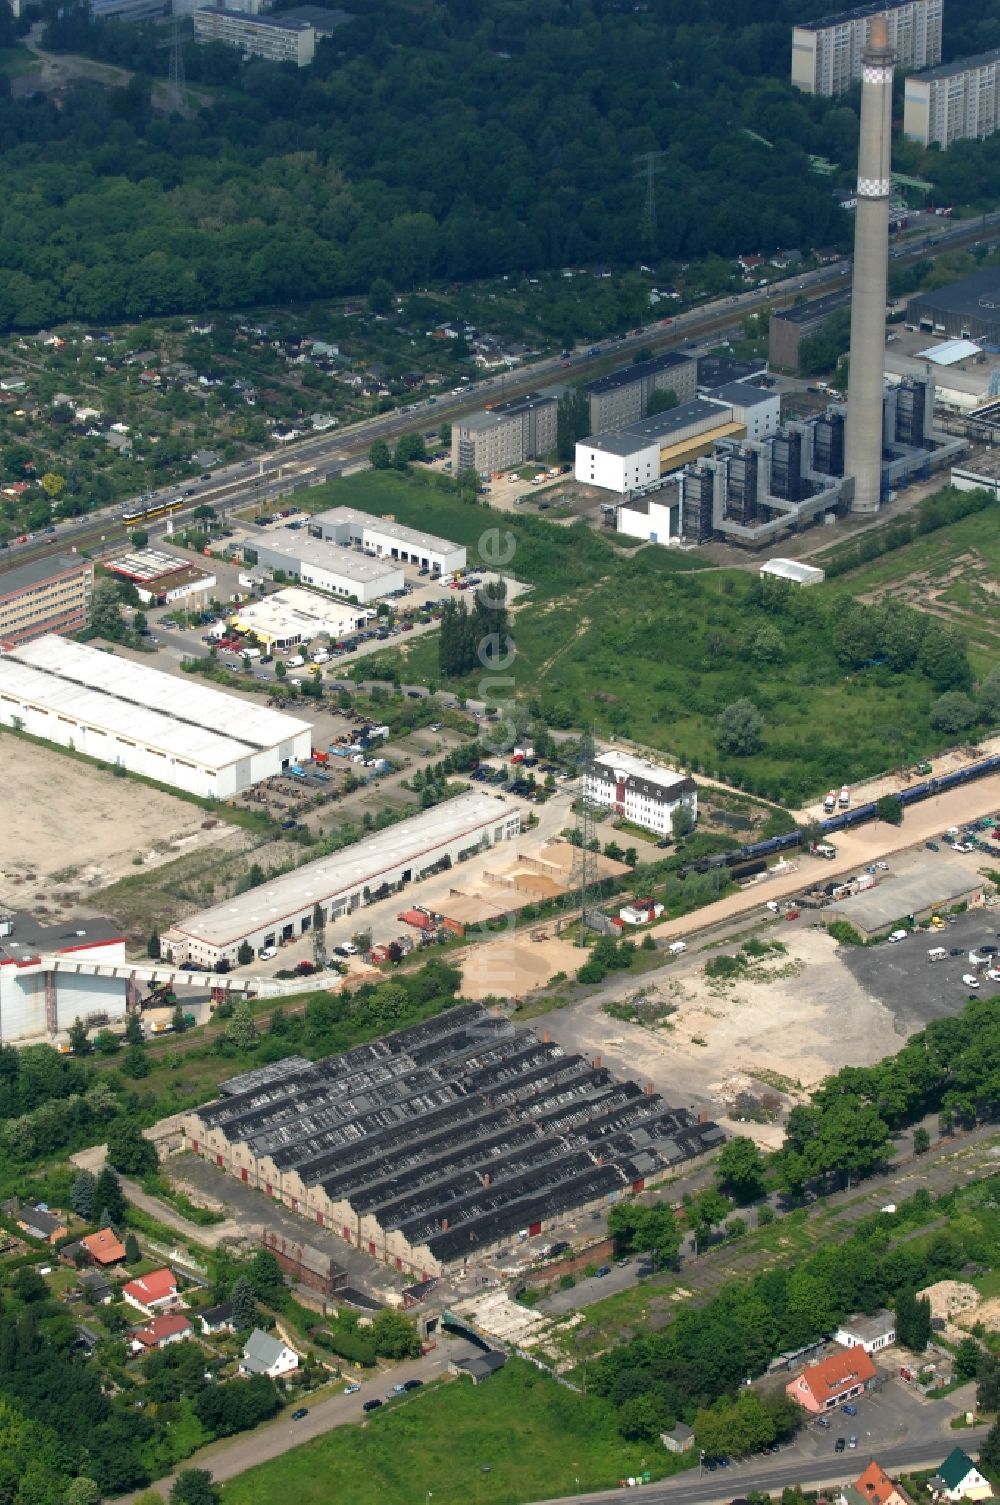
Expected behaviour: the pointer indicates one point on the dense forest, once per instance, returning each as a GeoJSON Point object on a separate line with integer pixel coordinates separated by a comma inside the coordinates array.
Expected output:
{"type": "Point", "coordinates": [462, 139]}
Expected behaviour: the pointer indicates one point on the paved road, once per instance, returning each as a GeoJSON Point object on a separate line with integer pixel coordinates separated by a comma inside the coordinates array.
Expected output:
{"type": "Point", "coordinates": [236, 1454]}
{"type": "Point", "coordinates": [313, 459]}
{"type": "Point", "coordinates": [725, 1484]}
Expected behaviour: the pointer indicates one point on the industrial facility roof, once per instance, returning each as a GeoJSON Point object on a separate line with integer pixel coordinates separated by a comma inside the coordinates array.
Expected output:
{"type": "Point", "coordinates": [794, 570]}
{"type": "Point", "coordinates": [459, 1131]}
{"type": "Point", "coordinates": [977, 294]}
{"type": "Point", "coordinates": [355, 868]}
{"type": "Point", "coordinates": [324, 554]}
{"type": "Point", "coordinates": [146, 565]}
{"type": "Point", "coordinates": [939, 882]}
{"type": "Point", "coordinates": [641, 369]}
{"type": "Point", "coordinates": [297, 611]}
{"type": "Point", "coordinates": [183, 719]}
{"type": "Point", "coordinates": [949, 352]}
{"type": "Point", "coordinates": [27, 935]}
{"type": "Point", "coordinates": [347, 516]}
{"type": "Point", "coordinates": [740, 394]}
{"type": "Point", "coordinates": [697, 415]}
{"type": "Point", "coordinates": [716, 370]}
{"type": "Point", "coordinates": [37, 571]}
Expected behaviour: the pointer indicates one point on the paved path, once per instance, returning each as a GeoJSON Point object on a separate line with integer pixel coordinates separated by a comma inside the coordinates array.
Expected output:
{"type": "Point", "coordinates": [235, 1455]}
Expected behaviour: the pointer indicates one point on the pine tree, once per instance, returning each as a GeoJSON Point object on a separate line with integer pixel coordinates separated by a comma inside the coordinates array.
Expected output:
{"type": "Point", "coordinates": [177, 1021]}
{"type": "Point", "coordinates": [153, 945]}
{"type": "Point", "coordinates": [133, 1030]}
{"type": "Point", "coordinates": [132, 1252]}
{"type": "Point", "coordinates": [109, 1198]}
{"type": "Point", "coordinates": [244, 1304]}
{"type": "Point", "coordinates": [81, 1197]}
{"type": "Point", "coordinates": [78, 1041]}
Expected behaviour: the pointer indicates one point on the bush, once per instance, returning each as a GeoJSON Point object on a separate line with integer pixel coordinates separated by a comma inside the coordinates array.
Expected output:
{"type": "Point", "coordinates": [952, 712]}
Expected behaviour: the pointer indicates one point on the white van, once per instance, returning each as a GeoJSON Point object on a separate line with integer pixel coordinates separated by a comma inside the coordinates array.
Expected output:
{"type": "Point", "coordinates": [296, 661]}
{"type": "Point", "coordinates": [677, 948]}
{"type": "Point", "coordinates": [896, 936]}
{"type": "Point", "coordinates": [321, 656]}
{"type": "Point", "coordinates": [936, 954]}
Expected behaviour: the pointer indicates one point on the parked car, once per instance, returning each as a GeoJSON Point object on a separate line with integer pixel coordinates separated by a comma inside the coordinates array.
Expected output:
{"type": "Point", "coordinates": [840, 1445]}
{"type": "Point", "coordinates": [792, 914]}
{"type": "Point", "coordinates": [823, 1421]}
{"type": "Point", "coordinates": [373, 1405]}
{"type": "Point", "coordinates": [351, 1389]}
{"type": "Point", "coordinates": [412, 1384]}
{"type": "Point", "coordinates": [298, 1415]}
{"type": "Point", "coordinates": [850, 1410]}
{"type": "Point", "coordinates": [852, 1442]}
{"type": "Point", "coordinates": [970, 980]}
{"type": "Point", "coordinates": [602, 1270]}
{"type": "Point", "coordinates": [932, 846]}
{"type": "Point", "coordinates": [267, 952]}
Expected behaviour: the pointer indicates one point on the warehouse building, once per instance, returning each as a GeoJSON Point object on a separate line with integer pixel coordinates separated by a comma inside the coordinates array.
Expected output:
{"type": "Point", "coordinates": [176, 732]}
{"type": "Point", "coordinates": [795, 571]}
{"type": "Point", "coordinates": [788, 327]}
{"type": "Point", "coordinates": [443, 1142]}
{"type": "Point", "coordinates": [959, 101]}
{"type": "Point", "coordinates": [505, 435]}
{"type": "Point", "coordinates": [46, 982]}
{"type": "Point", "coordinates": [45, 595]}
{"type": "Point", "coordinates": [163, 579]}
{"type": "Point", "coordinates": [293, 616]}
{"type": "Point", "coordinates": [342, 883]}
{"type": "Point", "coordinates": [826, 54]}
{"type": "Point", "coordinates": [623, 396]}
{"type": "Point", "coordinates": [965, 310]}
{"type": "Point", "coordinates": [915, 897]}
{"type": "Point", "coordinates": [273, 37]}
{"type": "Point", "coordinates": [326, 566]}
{"type": "Point", "coordinates": [385, 539]}
{"type": "Point", "coordinates": [647, 795]}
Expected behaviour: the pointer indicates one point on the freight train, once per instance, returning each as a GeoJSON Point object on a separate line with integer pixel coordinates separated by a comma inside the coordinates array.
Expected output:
{"type": "Point", "coordinates": [744, 859]}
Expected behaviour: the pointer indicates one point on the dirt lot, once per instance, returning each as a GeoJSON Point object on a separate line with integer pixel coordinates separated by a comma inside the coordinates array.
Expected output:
{"type": "Point", "coordinates": [767, 1038]}
{"type": "Point", "coordinates": [78, 828]}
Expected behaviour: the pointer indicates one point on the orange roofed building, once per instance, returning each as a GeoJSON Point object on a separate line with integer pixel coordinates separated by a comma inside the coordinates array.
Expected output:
{"type": "Point", "coordinates": [832, 1381]}
{"type": "Point", "coordinates": [874, 1487]}
{"type": "Point", "coordinates": [104, 1247]}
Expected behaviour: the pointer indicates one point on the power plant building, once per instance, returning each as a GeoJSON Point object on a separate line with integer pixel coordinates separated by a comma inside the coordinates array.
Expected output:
{"type": "Point", "coordinates": [344, 882]}
{"type": "Point", "coordinates": [788, 327]}
{"type": "Point", "coordinates": [957, 102]}
{"type": "Point", "coordinates": [827, 54]}
{"type": "Point", "coordinates": [506, 435]}
{"type": "Point", "coordinates": [183, 734]}
{"type": "Point", "coordinates": [438, 1145]}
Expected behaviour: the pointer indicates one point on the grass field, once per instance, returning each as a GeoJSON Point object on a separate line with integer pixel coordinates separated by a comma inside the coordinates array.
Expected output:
{"type": "Point", "coordinates": [954, 573]}
{"type": "Point", "coordinates": [652, 646]}
{"type": "Point", "coordinates": [519, 1437]}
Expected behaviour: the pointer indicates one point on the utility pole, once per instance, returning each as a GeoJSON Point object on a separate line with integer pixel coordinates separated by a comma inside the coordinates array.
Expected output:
{"type": "Point", "coordinates": [648, 164]}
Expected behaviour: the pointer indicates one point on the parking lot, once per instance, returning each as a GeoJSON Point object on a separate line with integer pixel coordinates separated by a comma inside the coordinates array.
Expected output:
{"type": "Point", "coordinates": [916, 990]}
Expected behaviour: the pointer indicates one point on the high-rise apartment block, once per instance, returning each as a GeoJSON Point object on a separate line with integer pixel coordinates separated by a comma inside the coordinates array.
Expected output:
{"type": "Point", "coordinates": [956, 102]}
{"type": "Point", "coordinates": [277, 38]}
{"type": "Point", "coordinates": [826, 54]}
{"type": "Point", "coordinates": [506, 435]}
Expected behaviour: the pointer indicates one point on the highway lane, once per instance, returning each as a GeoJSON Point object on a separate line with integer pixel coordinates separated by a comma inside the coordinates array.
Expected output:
{"type": "Point", "coordinates": [326, 454]}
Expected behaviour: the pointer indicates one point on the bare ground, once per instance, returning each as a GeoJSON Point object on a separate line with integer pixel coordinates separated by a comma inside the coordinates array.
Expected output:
{"type": "Point", "coordinates": [75, 829]}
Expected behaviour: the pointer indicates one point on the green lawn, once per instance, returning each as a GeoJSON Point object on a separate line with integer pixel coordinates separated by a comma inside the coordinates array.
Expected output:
{"type": "Point", "coordinates": [518, 1437]}
{"type": "Point", "coordinates": [15, 62]}
{"type": "Point", "coordinates": [652, 646]}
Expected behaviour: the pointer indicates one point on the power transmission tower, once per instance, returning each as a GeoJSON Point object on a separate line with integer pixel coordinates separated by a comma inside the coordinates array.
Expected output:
{"type": "Point", "coordinates": [176, 82]}
{"type": "Point", "coordinates": [584, 866]}
{"type": "Point", "coordinates": [648, 164]}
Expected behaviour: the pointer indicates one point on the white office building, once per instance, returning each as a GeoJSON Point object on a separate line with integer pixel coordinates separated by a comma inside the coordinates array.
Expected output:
{"type": "Point", "coordinates": [826, 54]}
{"type": "Point", "coordinates": [344, 882]}
{"type": "Point", "coordinates": [177, 731]}
{"type": "Point", "coordinates": [638, 791]}
{"type": "Point", "coordinates": [959, 101]}
{"type": "Point", "coordinates": [337, 569]}
{"type": "Point", "coordinates": [381, 538]}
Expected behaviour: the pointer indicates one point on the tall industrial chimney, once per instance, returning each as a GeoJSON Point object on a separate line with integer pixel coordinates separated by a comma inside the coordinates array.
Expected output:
{"type": "Point", "coordinates": [863, 458]}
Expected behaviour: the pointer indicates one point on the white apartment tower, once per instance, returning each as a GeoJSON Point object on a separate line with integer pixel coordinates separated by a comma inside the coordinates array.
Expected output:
{"type": "Point", "coordinates": [956, 102]}
{"type": "Point", "coordinates": [826, 54]}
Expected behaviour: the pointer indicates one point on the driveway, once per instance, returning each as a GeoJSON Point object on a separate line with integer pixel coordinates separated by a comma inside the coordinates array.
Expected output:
{"type": "Point", "coordinates": [235, 1455]}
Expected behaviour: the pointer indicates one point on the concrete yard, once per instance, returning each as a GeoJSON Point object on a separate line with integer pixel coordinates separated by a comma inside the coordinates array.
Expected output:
{"type": "Point", "coordinates": [77, 828]}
